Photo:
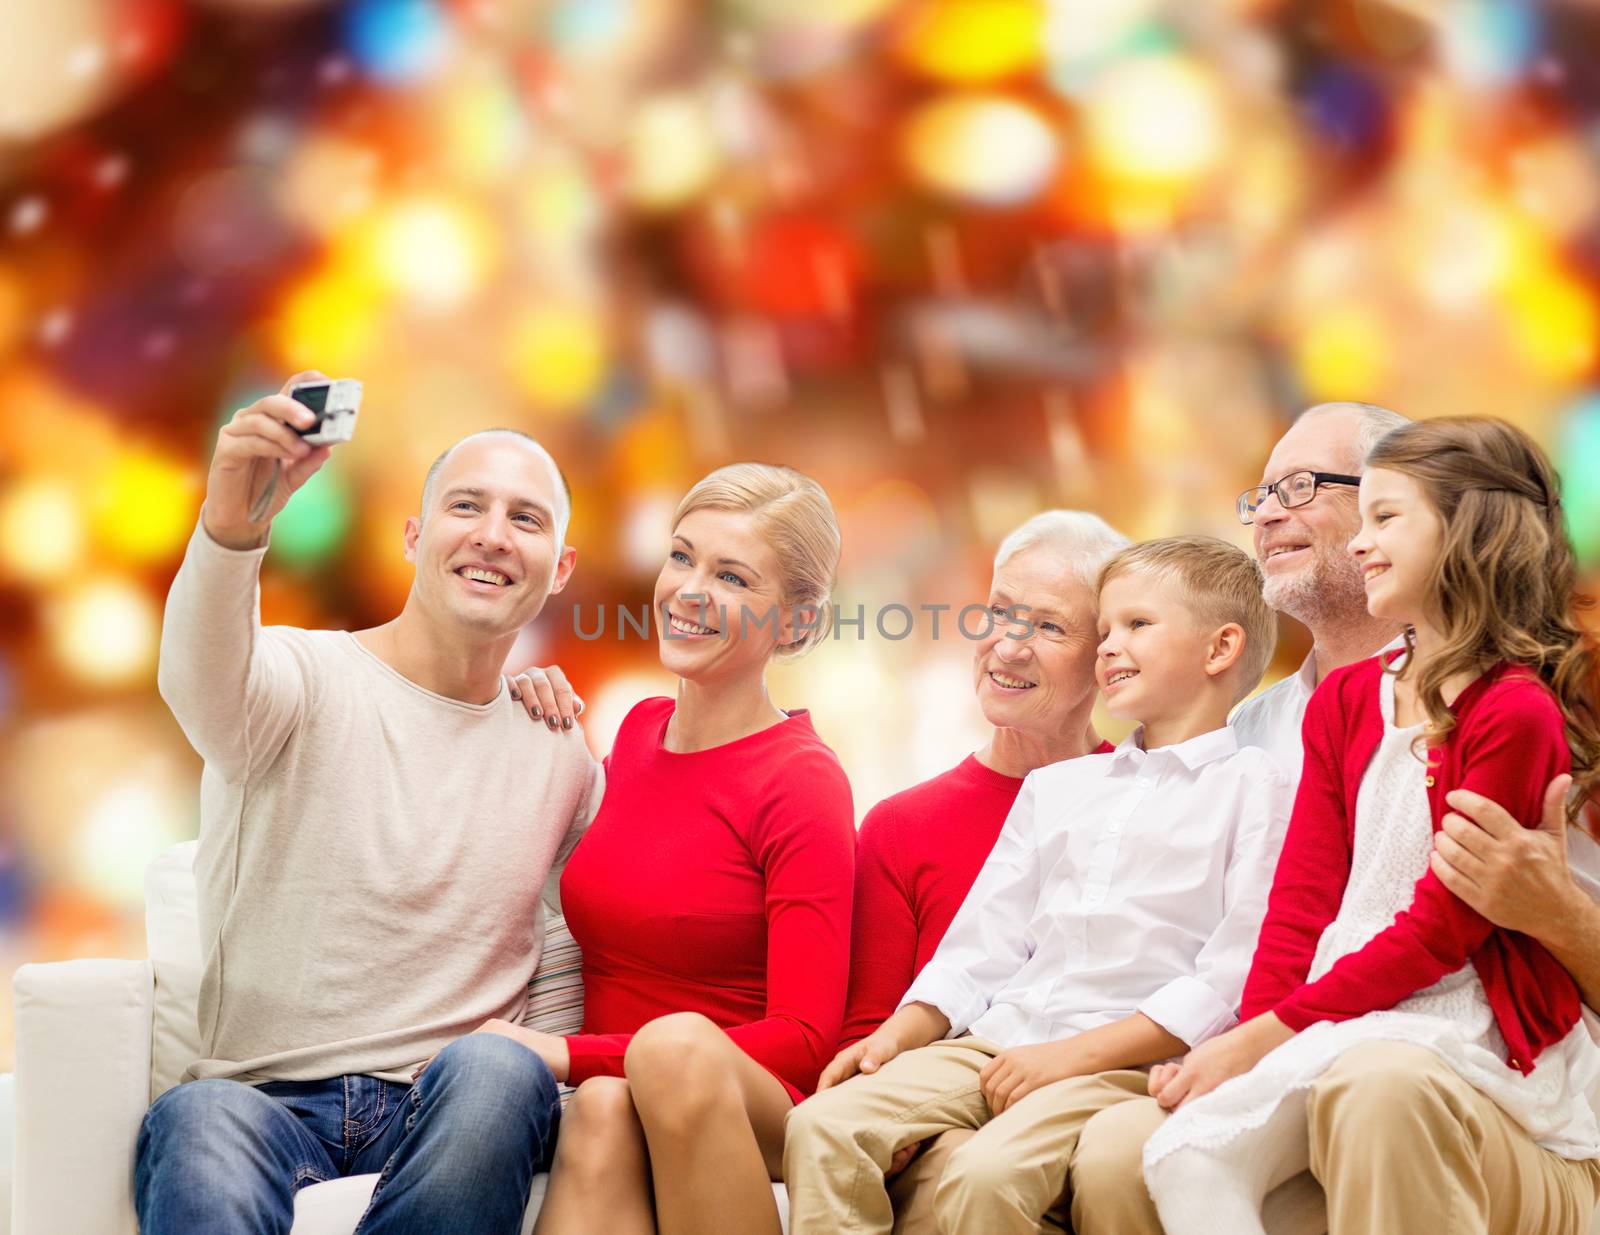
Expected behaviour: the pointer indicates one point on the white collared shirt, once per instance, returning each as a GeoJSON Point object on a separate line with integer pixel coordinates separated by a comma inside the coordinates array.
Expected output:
{"type": "Point", "coordinates": [1127, 882]}
{"type": "Point", "coordinates": [1272, 719]}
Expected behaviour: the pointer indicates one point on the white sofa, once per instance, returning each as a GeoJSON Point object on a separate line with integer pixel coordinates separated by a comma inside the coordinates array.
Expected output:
{"type": "Point", "coordinates": [98, 1040]}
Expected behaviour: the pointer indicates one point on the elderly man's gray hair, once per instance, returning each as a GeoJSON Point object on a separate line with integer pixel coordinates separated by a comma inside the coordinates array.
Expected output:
{"type": "Point", "coordinates": [1086, 541]}
{"type": "Point", "coordinates": [1372, 423]}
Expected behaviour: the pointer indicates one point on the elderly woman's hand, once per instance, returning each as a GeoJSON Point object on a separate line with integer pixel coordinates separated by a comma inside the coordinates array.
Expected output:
{"type": "Point", "coordinates": [1516, 877]}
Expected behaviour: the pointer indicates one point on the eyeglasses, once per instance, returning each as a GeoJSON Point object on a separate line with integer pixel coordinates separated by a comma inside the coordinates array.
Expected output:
{"type": "Point", "coordinates": [1295, 489]}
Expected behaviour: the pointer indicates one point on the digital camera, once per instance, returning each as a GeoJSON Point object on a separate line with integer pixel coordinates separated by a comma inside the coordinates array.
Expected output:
{"type": "Point", "coordinates": [335, 405]}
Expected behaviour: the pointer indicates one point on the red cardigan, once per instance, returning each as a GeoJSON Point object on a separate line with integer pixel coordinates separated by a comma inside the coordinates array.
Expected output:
{"type": "Point", "coordinates": [1508, 744]}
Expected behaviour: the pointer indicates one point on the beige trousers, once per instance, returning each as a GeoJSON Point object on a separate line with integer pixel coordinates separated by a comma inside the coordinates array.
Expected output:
{"type": "Point", "coordinates": [1007, 1177]}
{"type": "Point", "coordinates": [1399, 1143]}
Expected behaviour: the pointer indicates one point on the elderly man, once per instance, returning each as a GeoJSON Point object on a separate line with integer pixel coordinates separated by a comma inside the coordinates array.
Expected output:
{"type": "Point", "coordinates": [377, 820]}
{"type": "Point", "coordinates": [1393, 1131]}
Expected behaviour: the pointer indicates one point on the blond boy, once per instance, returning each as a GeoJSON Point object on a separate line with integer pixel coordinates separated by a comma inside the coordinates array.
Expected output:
{"type": "Point", "coordinates": [1110, 928]}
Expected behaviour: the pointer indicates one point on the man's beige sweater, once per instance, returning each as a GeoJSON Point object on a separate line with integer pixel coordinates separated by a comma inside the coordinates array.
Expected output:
{"type": "Point", "coordinates": [372, 854]}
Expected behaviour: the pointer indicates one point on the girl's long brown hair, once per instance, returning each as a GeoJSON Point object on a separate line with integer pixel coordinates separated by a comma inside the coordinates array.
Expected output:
{"type": "Point", "coordinates": [1505, 582]}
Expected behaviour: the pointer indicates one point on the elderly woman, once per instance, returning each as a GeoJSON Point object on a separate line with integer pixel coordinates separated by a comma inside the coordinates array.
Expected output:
{"type": "Point", "coordinates": [919, 850]}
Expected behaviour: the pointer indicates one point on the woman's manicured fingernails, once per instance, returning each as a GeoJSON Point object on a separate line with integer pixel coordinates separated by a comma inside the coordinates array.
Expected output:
{"type": "Point", "coordinates": [566, 722]}
{"type": "Point", "coordinates": [538, 713]}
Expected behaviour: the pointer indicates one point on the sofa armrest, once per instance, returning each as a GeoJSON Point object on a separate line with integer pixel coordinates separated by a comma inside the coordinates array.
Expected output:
{"type": "Point", "coordinates": [82, 1087]}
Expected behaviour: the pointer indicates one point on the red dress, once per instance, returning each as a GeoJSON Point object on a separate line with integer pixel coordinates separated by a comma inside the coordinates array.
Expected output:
{"type": "Point", "coordinates": [917, 855]}
{"type": "Point", "coordinates": [716, 882]}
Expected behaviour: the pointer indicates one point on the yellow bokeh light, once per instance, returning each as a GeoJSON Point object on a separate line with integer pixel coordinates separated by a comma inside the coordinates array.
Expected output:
{"type": "Point", "coordinates": [1342, 354]}
{"type": "Point", "coordinates": [145, 507]}
{"type": "Point", "coordinates": [985, 148]}
{"type": "Point", "coordinates": [1155, 122]}
{"type": "Point", "coordinates": [974, 41]}
{"type": "Point", "coordinates": [105, 631]}
{"type": "Point", "coordinates": [557, 201]}
{"type": "Point", "coordinates": [671, 151]}
{"type": "Point", "coordinates": [41, 530]}
{"type": "Point", "coordinates": [558, 355]}
{"type": "Point", "coordinates": [433, 252]}
{"type": "Point", "coordinates": [828, 14]}
{"type": "Point", "coordinates": [480, 128]}
{"type": "Point", "coordinates": [331, 322]}
{"type": "Point", "coordinates": [1553, 320]}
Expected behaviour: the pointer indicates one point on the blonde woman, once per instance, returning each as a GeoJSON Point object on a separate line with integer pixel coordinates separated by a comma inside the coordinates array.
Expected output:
{"type": "Point", "coordinates": [711, 895]}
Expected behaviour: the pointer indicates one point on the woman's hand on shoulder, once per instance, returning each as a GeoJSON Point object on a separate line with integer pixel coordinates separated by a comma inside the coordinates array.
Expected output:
{"type": "Point", "coordinates": [547, 696]}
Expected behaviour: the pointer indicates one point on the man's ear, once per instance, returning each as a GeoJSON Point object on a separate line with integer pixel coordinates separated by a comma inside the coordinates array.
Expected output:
{"type": "Point", "coordinates": [564, 565]}
{"type": "Point", "coordinates": [1227, 645]}
{"type": "Point", "coordinates": [413, 534]}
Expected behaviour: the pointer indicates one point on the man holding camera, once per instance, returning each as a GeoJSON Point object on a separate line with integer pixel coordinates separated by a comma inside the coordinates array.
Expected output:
{"type": "Point", "coordinates": [377, 821]}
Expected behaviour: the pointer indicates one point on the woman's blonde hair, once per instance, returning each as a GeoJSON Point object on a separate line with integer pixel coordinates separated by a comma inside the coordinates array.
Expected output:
{"type": "Point", "coordinates": [1506, 579]}
{"type": "Point", "coordinates": [794, 515]}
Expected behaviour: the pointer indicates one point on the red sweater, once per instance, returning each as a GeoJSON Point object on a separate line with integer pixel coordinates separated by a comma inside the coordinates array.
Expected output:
{"type": "Point", "coordinates": [1508, 744]}
{"type": "Point", "coordinates": [715, 882]}
{"type": "Point", "coordinates": [916, 857]}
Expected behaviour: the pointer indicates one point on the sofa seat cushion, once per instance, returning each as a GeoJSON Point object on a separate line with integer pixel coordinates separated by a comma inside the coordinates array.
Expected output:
{"type": "Point", "coordinates": [335, 1207]}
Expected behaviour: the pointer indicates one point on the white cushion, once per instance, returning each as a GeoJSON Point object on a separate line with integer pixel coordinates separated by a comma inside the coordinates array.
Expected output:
{"type": "Point", "coordinates": [8, 1136]}
{"type": "Point", "coordinates": [82, 1086]}
{"type": "Point", "coordinates": [335, 1207]}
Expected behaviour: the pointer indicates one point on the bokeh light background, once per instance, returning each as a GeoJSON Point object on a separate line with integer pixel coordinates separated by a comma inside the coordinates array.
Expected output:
{"type": "Point", "coordinates": [959, 259]}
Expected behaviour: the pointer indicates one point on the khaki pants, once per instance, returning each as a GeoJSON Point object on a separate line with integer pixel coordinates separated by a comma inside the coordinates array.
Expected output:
{"type": "Point", "coordinates": [1005, 1177]}
{"type": "Point", "coordinates": [1399, 1143]}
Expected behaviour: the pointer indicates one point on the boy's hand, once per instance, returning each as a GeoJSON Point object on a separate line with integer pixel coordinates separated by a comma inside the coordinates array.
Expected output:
{"type": "Point", "coordinates": [867, 1055]}
{"type": "Point", "coordinates": [914, 1025]}
{"type": "Point", "coordinates": [249, 445]}
{"type": "Point", "coordinates": [1012, 1075]}
{"type": "Point", "coordinates": [1211, 1063]}
{"type": "Point", "coordinates": [903, 1158]}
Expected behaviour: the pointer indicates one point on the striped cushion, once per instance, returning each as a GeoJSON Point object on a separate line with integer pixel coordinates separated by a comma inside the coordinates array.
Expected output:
{"type": "Point", "coordinates": [555, 993]}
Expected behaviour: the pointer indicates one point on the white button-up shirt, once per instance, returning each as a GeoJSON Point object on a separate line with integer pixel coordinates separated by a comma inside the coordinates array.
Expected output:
{"type": "Point", "coordinates": [1272, 719]}
{"type": "Point", "coordinates": [1127, 882]}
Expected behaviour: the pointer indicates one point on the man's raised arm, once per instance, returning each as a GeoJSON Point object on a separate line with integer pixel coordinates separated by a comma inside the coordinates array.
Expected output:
{"type": "Point", "coordinates": [233, 696]}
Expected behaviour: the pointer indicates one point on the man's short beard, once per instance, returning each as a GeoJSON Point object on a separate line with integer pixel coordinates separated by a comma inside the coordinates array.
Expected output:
{"type": "Point", "coordinates": [1330, 592]}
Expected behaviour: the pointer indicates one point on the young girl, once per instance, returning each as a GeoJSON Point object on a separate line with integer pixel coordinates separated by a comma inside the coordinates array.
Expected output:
{"type": "Point", "coordinates": [1461, 541]}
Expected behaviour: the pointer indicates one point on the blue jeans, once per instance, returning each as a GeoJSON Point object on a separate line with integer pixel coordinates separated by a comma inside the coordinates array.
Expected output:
{"type": "Point", "coordinates": [457, 1151]}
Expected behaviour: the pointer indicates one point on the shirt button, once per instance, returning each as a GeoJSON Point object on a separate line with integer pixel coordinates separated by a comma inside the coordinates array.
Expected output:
{"type": "Point", "coordinates": [1430, 782]}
